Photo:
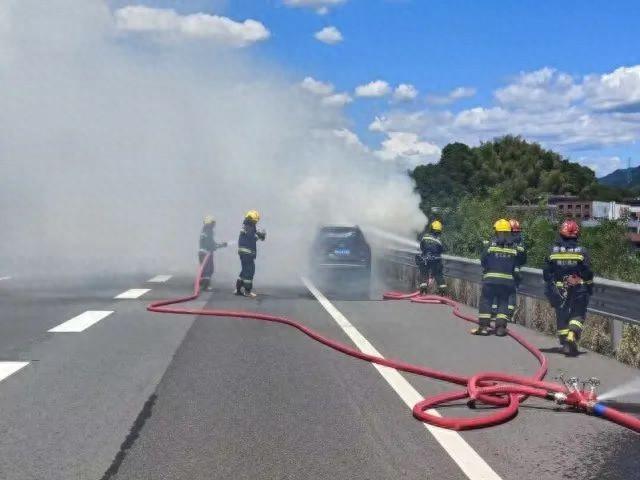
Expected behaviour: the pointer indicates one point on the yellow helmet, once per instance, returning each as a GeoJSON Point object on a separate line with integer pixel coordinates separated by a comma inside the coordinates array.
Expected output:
{"type": "Point", "coordinates": [208, 220]}
{"type": "Point", "coordinates": [253, 215]}
{"type": "Point", "coordinates": [502, 225]}
{"type": "Point", "coordinates": [436, 226]}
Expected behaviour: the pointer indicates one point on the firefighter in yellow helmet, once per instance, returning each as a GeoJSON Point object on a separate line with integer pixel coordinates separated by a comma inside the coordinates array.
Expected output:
{"type": "Point", "coordinates": [208, 245]}
{"type": "Point", "coordinates": [429, 260]}
{"type": "Point", "coordinates": [247, 250]}
{"type": "Point", "coordinates": [499, 261]}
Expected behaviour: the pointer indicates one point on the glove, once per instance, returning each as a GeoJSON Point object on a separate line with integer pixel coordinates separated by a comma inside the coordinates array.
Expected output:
{"type": "Point", "coordinates": [261, 234]}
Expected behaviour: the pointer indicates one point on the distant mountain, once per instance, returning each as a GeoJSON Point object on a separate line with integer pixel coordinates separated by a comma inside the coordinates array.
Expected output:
{"type": "Point", "coordinates": [620, 178]}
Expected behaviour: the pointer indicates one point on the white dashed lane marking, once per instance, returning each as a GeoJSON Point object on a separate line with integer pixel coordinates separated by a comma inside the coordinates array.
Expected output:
{"type": "Point", "coordinates": [133, 293]}
{"type": "Point", "coordinates": [159, 279]}
{"type": "Point", "coordinates": [81, 322]}
{"type": "Point", "coordinates": [5, 278]}
{"type": "Point", "coordinates": [9, 368]}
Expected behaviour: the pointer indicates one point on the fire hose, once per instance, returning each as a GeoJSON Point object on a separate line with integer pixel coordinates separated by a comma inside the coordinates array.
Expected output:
{"type": "Point", "coordinates": [502, 391]}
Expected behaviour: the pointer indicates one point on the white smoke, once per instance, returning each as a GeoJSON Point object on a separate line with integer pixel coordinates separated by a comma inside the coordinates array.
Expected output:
{"type": "Point", "coordinates": [113, 147]}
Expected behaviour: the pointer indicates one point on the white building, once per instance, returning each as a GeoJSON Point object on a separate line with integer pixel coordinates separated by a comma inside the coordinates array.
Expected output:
{"type": "Point", "coordinates": [609, 210]}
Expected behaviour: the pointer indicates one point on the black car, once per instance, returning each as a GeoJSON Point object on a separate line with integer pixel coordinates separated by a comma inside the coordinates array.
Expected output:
{"type": "Point", "coordinates": [341, 260]}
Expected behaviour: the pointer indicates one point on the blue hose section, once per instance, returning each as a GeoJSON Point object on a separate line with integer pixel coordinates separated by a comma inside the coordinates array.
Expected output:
{"type": "Point", "coordinates": [599, 409]}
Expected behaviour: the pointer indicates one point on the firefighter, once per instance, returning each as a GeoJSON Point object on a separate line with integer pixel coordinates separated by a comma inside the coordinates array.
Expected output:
{"type": "Point", "coordinates": [516, 235]}
{"type": "Point", "coordinates": [429, 261]}
{"type": "Point", "coordinates": [208, 245]}
{"type": "Point", "coordinates": [569, 284]}
{"type": "Point", "coordinates": [499, 262]}
{"type": "Point", "coordinates": [247, 249]}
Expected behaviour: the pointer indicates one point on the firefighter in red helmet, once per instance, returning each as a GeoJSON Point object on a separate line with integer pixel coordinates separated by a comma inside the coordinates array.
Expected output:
{"type": "Point", "coordinates": [569, 284]}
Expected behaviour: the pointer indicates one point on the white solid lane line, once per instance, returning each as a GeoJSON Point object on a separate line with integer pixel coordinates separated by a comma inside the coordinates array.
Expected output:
{"type": "Point", "coordinates": [469, 461]}
{"type": "Point", "coordinates": [159, 279]}
{"type": "Point", "coordinates": [81, 322]}
{"type": "Point", "coordinates": [9, 368]}
{"type": "Point", "coordinates": [133, 293]}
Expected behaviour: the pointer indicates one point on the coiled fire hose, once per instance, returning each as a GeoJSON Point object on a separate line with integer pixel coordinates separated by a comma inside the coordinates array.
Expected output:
{"type": "Point", "coordinates": [500, 390]}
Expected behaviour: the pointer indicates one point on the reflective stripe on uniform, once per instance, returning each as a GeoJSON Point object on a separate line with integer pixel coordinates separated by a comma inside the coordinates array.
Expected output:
{"type": "Point", "coordinates": [567, 256]}
{"type": "Point", "coordinates": [563, 332]}
{"type": "Point", "coordinates": [510, 251]}
{"type": "Point", "coordinates": [245, 250]}
{"type": "Point", "coordinates": [505, 276]}
{"type": "Point", "coordinates": [559, 284]}
{"type": "Point", "coordinates": [429, 238]}
{"type": "Point", "coordinates": [576, 323]}
{"type": "Point", "coordinates": [494, 306]}
{"type": "Point", "coordinates": [248, 282]}
{"type": "Point", "coordinates": [484, 315]}
{"type": "Point", "coordinates": [511, 307]}
{"type": "Point", "coordinates": [203, 250]}
{"type": "Point", "coordinates": [502, 316]}
{"type": "Point", "coordinates": [444, 285]}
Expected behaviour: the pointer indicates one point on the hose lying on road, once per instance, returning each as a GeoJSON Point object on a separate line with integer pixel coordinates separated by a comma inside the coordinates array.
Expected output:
{"type": "Point", "coordinates": [490, 388]}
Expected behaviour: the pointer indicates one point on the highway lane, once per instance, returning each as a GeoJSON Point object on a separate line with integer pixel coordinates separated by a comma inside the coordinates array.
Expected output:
{"type": "Point", "coordinates": [247, 400]}
{"type": "Point", "coordinates": [242, 399]}
{"type": "Point", "coordinates": [65, 415]}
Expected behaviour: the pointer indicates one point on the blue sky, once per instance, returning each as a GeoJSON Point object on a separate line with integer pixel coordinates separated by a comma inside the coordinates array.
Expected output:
{"type": "Point", "coordinates": [485, 46]}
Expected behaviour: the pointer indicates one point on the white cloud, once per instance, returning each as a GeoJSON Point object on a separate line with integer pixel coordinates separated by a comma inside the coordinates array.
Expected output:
{"type": "Point", "coordinates": [618, 90]}
{"type": "Point", "coordinates": [377, 88]}
{"type": "Point", "coordinates": [337, 100]}
{"type": "Point", "coordinates": [329, 35]}
{"type": "Point", "coordinates": [560, 111]}
{"type": "Point", "coordinates": [321, 6]}
{"type": "Point", "coordinates": [317, 87]}
{"type": "Point", "coordinates": [405, 92]}
{"type": "Point", "coordinates": [601, 165]}
{"type": "Point", "coordinates": [454, 95]}
{"type": "Point", "coordinates": [326, 92]}
{"type": "Point", "coordinates": [408, 148]}
{"type": "Point", "coordinates": [141, 19]}
{"type": "Point", "coordinates": [540, 90]}
{"type": "Point", "coordinates": [350, 139]}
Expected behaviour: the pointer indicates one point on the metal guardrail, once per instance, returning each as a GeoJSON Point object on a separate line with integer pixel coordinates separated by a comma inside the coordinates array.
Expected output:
{"type": "Point", "coordinates": [610, 297]}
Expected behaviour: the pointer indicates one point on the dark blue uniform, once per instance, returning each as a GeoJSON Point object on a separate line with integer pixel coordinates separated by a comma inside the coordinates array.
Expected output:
{"type": "Point", "coordinates": [430, 260]}
{"type": "Point", "coordinates": [207, 246]}
{"type": "Point", "coordinates": [569, 284]}
{"type": "Point", "coordinates": [499, 262]}
{"type": "Point", "coordinates": [248, 251]}
{"type": "Point", "coordinates": [522, 259]}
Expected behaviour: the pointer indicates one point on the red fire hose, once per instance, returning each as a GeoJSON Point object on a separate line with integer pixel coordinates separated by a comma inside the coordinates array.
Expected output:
{"type": "Point", "coordinates": [490, 388]}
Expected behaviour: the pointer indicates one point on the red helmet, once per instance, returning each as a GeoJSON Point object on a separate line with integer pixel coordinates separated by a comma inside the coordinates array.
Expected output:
{"type": "Point", "coordinates": [569, 229]}
{"type": "Point", "coordinates": [515, 225]}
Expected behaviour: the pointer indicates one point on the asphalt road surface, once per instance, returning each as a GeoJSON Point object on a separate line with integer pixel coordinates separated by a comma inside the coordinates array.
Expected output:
{"type": "Point", "coordinates": [116, 392]}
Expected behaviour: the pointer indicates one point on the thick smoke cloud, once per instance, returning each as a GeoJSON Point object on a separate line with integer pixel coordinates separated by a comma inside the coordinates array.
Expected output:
{"type": "Point", "coordinates": [114, 147]}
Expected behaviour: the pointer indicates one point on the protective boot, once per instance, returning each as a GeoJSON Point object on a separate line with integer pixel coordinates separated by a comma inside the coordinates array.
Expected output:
{"type": "Point", "coordinates": [570, 347]}
{"type": "Point", "coordinates": [424, 288]}
{"type": "Point", "coordinates": [239, 287]}
{"type": "Point", "coordinates": [482, 329]}
{"type": "Point", "coordinates": [501, 327]}
{"type": "Point", "coordinates": [501, 330]}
